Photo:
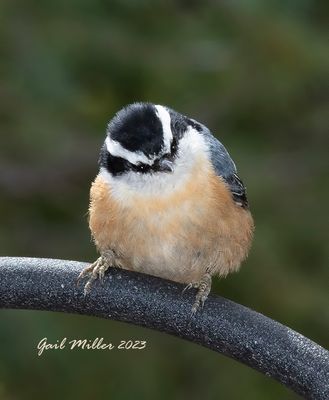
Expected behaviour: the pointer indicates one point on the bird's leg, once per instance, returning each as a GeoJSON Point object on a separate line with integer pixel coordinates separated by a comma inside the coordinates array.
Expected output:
{"type": "Point", "coordinates": [98, 268]}
{"type": "Point", "coordinates": [203, 286]}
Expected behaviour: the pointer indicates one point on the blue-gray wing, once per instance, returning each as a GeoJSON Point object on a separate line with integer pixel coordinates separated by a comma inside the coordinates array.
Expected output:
{"type": "Point", "coordinates": [225, 168]}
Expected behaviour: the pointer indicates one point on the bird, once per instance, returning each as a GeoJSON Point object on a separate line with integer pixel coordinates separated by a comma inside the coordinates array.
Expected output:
{"type": "Point", "coordinates": [167, 201]}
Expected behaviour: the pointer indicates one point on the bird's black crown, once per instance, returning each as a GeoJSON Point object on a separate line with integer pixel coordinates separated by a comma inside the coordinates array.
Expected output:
{"type": "Point", "coordinates": [137, 128]}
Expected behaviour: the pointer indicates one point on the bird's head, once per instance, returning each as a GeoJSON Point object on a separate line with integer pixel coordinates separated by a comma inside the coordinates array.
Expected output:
{"type": "Point", "coordinates": [146, 139]}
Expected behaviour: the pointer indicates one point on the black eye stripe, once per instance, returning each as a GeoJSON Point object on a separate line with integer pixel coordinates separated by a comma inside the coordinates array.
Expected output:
{"type": "Point", "coordinates": [142, 168]}
{"type": "Point", "coordinates": [119, 165]}
{"type": "Point", "coordinates": [114, 165]}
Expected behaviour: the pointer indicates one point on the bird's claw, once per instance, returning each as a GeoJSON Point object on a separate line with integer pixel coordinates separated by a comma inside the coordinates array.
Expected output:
{"type": "Point", "coordinates": [190, 286]}
{"type": "Point", "coordinates": [97, 269]}
{"type": "Point", "coordinates": [203, 286]}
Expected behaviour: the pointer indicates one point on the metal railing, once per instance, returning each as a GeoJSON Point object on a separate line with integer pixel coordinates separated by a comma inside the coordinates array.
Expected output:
{"type": "Point", "coordinates": [222, 325]}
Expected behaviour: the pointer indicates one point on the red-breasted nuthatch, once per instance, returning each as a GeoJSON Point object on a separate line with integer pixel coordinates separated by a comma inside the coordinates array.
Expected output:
{"type": "Point", "coordinates": [167, 201]}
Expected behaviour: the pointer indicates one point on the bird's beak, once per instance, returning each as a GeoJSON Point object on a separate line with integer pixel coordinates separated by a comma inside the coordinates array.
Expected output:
{"type": "Point", "coordinates": [166, 165]}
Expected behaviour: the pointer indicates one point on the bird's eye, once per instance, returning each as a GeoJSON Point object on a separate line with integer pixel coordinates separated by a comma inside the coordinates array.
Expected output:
{"type": "Point", "coordinates": [173, 146]}
{"type": "Point", "coordinates": [141, 168]}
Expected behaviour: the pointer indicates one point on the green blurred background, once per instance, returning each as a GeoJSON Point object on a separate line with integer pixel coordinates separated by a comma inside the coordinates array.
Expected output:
{"type": "Point", "coordinates": [255, 72]}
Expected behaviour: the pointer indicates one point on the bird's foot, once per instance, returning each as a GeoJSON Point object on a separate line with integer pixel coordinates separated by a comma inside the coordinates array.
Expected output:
{"type": "Point", "coordinates": [98, 268]}
{"type": "Point", "coordinates": [203, 286]}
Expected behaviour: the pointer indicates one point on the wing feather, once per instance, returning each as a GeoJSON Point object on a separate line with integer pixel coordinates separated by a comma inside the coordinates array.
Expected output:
{"type": "Point", "coordinates": [225, 168]}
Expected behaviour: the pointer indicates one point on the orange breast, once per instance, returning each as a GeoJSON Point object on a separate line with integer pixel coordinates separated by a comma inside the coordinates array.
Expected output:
{"type": "Point", "coordinates": [177, 235]}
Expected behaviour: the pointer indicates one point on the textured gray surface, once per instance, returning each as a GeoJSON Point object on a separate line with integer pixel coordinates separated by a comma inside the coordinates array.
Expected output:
{"type": "Point", "coordinates": [223, 326]}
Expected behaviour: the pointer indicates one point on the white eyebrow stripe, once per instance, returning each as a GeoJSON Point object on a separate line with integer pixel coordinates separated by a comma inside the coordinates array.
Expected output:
{"type": "Point", "coordinates": [165, 119]}
{"type": "Point", "coordinates": [134, 157]}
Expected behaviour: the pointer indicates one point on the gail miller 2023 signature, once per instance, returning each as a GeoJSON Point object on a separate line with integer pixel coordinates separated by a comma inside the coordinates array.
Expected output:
{"type": "Point", "coordinates": [88, 344]}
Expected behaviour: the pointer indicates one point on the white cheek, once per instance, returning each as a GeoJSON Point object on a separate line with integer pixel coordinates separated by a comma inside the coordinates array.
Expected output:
{"type": "Point", "coordinates": [125, 188]}
{"type": "Point", "coordinates": [193, 143]}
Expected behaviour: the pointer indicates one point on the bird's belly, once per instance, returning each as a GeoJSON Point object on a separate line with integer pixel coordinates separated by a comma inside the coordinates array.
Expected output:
{"type": "Point", "coordinates": [172, 248]}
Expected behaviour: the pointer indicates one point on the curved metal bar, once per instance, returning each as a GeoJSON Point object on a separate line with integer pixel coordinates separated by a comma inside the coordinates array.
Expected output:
{"type": "Point", "coordinates": [222, 325]}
